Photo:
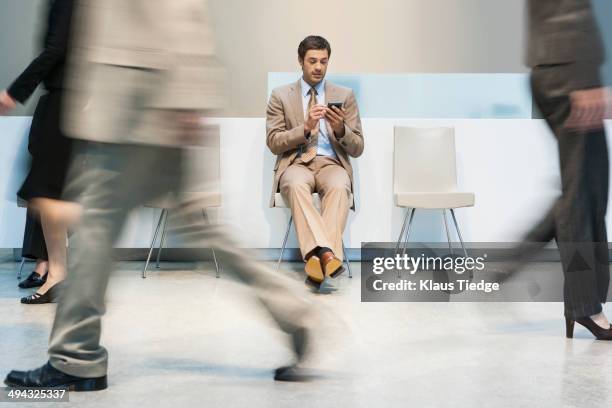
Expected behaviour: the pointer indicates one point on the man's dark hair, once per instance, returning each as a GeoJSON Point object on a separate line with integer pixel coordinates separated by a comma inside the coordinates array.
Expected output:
{"type": "Point", "coordinates": [313, 42]}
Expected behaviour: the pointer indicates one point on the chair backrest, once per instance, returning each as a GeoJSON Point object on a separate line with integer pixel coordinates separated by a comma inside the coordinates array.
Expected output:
{"type": "Point", "coordinates": [424, 160]}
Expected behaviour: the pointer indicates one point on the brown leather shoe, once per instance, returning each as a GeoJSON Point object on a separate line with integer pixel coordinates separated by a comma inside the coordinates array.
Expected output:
{"type": "Point", "coordinates": [314, 272]}
{"type": "Point", "coordinates": [331, 265]}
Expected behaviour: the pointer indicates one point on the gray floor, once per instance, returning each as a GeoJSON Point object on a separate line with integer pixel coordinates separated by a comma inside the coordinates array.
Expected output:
{"type": "Point", "coordinates": [182, 337]}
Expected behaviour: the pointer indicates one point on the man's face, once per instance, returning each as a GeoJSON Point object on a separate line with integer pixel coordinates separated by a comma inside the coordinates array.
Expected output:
{"type": "Point", "coordinates": [314, 66]}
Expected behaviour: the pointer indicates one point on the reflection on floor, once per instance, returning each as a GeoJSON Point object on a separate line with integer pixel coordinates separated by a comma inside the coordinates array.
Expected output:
{"type": "Point", "coordinates": [182, 337]}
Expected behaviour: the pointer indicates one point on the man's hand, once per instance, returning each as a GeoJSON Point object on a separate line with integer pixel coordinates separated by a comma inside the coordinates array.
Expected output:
{"type": "Point", "coordinates": [588, 109]}
{"type": "Point", "coordinates": [316, 113]}
{"type": "Point", "coordinates": [335, 117]}
{"type": "Point", "coordinates": [7, 103]}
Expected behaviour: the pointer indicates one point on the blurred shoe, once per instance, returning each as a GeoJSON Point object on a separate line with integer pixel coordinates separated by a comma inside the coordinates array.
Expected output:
{"type": "Point", "coordinates": [47, 377]}
{"type": "Point", "coordinates": [294, 372]}
{"type": "Point", "coordinates": [34, 280]}
{"type": "Point", "coordinates": [50, 296]}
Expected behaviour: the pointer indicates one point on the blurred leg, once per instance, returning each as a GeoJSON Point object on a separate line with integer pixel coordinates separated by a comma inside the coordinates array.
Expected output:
{"type": "Point", "coordinates": [579, 213]}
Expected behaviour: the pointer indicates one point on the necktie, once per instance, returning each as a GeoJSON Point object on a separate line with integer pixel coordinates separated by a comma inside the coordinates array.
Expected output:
{"type": "Point", "coordinates": [311, 149]}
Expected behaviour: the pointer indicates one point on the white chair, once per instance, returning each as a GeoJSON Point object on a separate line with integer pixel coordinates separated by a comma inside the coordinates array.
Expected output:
{"type": "Point", "coordinates": [206, 175]}
{"type": "Point", "coordinates": [279, 202]}
{"type": "Point", "coordinates": [425, 176]}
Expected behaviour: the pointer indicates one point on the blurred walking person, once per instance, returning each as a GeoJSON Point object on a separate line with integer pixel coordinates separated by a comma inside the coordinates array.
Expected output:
{"type": "Point", "coordinates": [144, 74]}
{"type": "Point", "coordinates": [565, 55]}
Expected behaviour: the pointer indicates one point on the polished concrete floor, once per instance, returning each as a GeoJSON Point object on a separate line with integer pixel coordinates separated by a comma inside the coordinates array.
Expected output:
{"type": "Point", "coordinates": [182, 337]}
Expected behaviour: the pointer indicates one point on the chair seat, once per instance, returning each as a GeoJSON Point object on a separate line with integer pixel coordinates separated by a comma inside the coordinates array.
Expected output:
{"type": "Point", "coordinates": [208, 200]}
{"type": "Point", "coordinates": [434, 200]}
{"type": "Point", "coordinates": [279, 201]}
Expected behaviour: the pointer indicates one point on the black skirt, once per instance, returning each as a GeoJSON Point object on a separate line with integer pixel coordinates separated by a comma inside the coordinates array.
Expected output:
{"type": "Point", "coordinates": [50, 150]}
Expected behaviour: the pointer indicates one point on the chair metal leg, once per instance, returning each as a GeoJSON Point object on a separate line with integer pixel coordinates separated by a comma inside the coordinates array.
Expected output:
{"type": "Point", "coordinates": [144, 271]}
{"type": "Point", "coordinates": [399, 273]}
{"type": "Point", "coordinates": [401, 235]}
{"type": "Point", "coordinates": [448, 237]}
{"type": "Point", "coordinates": [471, 275]}
{"type": "Point", "coordinates": [217, 275]}
{"type": "Point", "coordinates": [20, 268]}
{"type": "Point", "coordinates": [408, 231]}
{"type": "Point", "coordinates": [459, 232]}
{"type": "Point", "coordinates": [348, 262]}
{"type": "Point", "coordinates": [163, 237]}
{"type": "Point", "coordinates": [280, 258]}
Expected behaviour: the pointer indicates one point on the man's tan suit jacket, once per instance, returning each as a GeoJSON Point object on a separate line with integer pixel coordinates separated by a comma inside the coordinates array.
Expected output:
{"type": "Point", "coordinates": [285, 128]}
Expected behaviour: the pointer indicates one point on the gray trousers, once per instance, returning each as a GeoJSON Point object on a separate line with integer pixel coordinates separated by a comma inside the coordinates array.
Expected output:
{"type": "Point", "coordinates": [577, 219]}
{"type": "Point", "coordinates": [112, 180]}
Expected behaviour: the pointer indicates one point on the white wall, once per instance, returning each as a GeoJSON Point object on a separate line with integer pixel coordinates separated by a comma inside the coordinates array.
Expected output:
{"type": "Point", "coordinates": [511, 165]}
{"type": "Point", "coordinates": [257, 37]}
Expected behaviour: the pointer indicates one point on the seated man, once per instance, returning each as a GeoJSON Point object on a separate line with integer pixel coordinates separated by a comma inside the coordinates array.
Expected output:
{"type": "Point", "coordinates": [313, 140]}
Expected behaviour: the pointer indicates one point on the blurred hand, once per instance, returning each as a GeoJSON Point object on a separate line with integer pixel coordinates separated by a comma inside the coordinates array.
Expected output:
{"type": "Point", "coordinates": [190, 120]}
{"type": "Point", "coordinates": [588, 109]}
{"type": "Point", "coordinates": [335, 117]}
{"type": "Point", "coordinates": [190, 124]}
{"type": "Point", "coordinates": [313, 117]}
{"type": "Point", "coordinates": [7, 103]}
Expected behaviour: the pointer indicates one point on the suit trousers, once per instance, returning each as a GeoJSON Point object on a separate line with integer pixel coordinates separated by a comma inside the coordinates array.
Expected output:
{"type": "Point", "coordinates": [113, 179]}
{"type": "Point", "coordinates": [325, 176]}
{"type": "Point", "coordinates": [577, 218]}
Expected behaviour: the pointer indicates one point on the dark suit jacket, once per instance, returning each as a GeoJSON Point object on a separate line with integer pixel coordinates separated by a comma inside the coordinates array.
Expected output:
{"type": "Point", "coordinates": [48, 66]}
{"type": "Point", "coordinates": [566, 32]}
{"type": "Point", "coordinates": [563, 31]}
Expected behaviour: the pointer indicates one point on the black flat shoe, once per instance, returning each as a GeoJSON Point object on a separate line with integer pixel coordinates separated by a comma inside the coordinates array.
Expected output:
{"type": "Point", "coordinates": [49, 377]}
{"type": "Point", "coordinates": [596, 330]}
{"type": "Point", "coordinates": [295, 373]}
{"type": "Point", "coordinates": [34, 280]}
{"type": "Point", "coordinates": [50, 296]}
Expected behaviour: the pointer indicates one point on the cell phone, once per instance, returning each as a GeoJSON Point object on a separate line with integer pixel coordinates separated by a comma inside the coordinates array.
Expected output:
{"type": "Point", "coordinates": [336, 104]}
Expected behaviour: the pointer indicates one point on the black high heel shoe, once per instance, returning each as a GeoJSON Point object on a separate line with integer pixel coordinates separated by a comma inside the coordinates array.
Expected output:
{"type": "Point", "coordinates": [34, 280]}
{"type": "Point", "coordinates": [596, 330]}
{"type": "Point", "coordinates": [50, 296]}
